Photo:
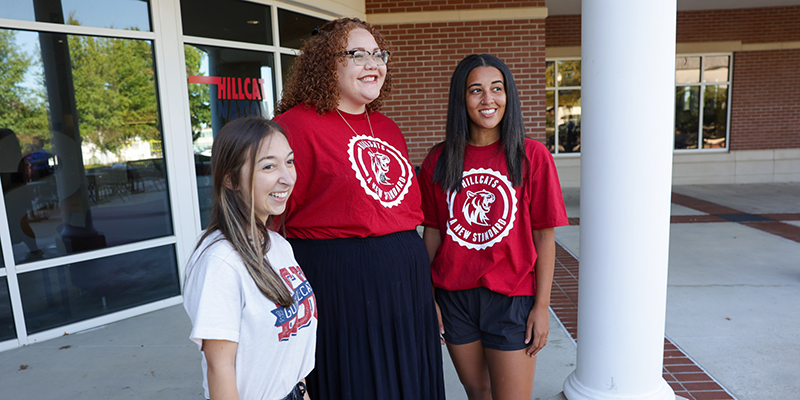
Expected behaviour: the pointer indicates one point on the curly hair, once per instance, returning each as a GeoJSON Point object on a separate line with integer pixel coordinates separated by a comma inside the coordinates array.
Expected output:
{"type": "Point", "coordinates": [314, 79]}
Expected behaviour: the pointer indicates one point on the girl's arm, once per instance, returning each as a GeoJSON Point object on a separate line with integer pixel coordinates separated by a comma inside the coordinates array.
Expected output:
{"type": "Point", "coordinates": [221, 359]}
{"type": "Point", "coordinates": [432, 241]}
{"type": "Point", "coordinates": [539, 318]}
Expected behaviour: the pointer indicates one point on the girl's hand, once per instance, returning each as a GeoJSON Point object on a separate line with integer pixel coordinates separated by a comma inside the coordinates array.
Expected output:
{"type": "Point", "coordinates": [536, 331]}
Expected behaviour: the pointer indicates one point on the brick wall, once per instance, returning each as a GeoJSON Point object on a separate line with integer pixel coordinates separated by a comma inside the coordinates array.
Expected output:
{"type": "Point", "coordinates": [766, 100]}
{"type": "Point", "coordinates": [563, 30]}
{"type": "Point", "coordinates": [750, 25]}
{"type": "Point", "coordinates": [427, 54]}
{"type": "Point", "coordinates": [765, 103]}
{"type": "Point", "coordinates": [377, 7]}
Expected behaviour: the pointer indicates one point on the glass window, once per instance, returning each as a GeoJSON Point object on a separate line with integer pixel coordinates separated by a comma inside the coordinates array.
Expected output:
{"type": "Point", "coordinates": [287, 61]}
{"type": "Point", "coordinates": [239, 21]}
{"type": "Point", "coordinates": [569, 121]}
{"type": "Point", "coordinates": [715, 116]}
{"type": "Point", "coordinates": [563, 106]}
{"type": "Point", "coordinates": [569, 73]}
{"type": "Point", "coordinates": [82, 162]}
{"type": "Point", "coordinates": [7, 328]}
{"type": "Point", "coordinates": [295, 28]}
{"type": "Point", "coordinates": [550, 117]}
{"type": "Point", "coordinates": [715, 69]}
{"type": "Point", "coordinates": [75, 292]}
{"type": "Point", "coordinates": [687, 100]}
{"type": "Point", "coordinates": [118, 14]}
{"type": "Point", "coordinates": [701, 101]}
{"type": "Point", "coordinates": [224, 84]}
{"type": "Point", "coordinates": [687, 70]}
{"type": "Point", "coordinates": [549, 73]}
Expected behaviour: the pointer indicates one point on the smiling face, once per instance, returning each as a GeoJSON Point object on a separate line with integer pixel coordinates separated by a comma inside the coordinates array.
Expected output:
{"type": "Point", "coordinates": [359, 85]}
{"type": "Point", "coordinates": [486, 102]}
{"type": "Point", "coordinates": [274, 176]}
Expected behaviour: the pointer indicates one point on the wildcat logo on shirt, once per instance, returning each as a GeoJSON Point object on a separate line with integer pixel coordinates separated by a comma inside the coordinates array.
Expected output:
{"type": "Point", "coordinates": [299, 315]}
{"type": "Point", "coordinates": [483, 212]}
{"type": "Point", "coordinates": [382, 170]}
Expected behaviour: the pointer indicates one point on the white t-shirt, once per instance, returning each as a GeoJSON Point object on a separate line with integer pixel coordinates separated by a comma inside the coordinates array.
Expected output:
{"type": "Point", "coordinates": [275, 344]}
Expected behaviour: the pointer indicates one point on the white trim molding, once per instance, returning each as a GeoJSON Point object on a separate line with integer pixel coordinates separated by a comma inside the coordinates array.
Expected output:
{"type": "Point", "coordinates": [491, 14]}
{"type": "Point", "coordinates": [706, 168]}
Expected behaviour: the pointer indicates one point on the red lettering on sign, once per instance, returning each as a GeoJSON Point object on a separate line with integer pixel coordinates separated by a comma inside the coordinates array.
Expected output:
{"type": "Point", "coordinates": [247, 93]}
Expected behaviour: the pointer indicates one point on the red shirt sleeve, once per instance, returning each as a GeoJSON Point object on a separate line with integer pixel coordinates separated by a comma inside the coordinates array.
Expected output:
{"type": "Point", "coordinates": [547, 202]}
{"type": "Point", "coordinates": [429, 189]}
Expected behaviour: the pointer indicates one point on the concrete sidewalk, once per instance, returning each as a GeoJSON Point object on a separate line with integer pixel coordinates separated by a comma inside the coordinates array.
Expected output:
{"type": "Point", "coordinates": [733, 304]}
{"type": "Point", "coordinates": [732, 307]}
{"type": "Point", "coordinates": [151, 357]}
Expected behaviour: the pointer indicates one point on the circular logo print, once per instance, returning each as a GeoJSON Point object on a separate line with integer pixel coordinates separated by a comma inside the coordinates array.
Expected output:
{"type": "Point", "coordinates": [483, 212]}
{"type": "Point", "coordinates": [382, 170]}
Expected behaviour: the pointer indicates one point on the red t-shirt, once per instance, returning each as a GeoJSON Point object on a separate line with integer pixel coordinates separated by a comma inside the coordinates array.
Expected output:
{"type": "Point", "coordinates": [348, 184]}
{"type": "Point", "coordinates": [486, 228]}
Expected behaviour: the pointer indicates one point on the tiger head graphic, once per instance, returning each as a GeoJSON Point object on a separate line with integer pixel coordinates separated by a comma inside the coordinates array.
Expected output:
{"type": "Point", "coordinates": [477, 206]}
{"type": "Point", "coordinates": [380, 166]}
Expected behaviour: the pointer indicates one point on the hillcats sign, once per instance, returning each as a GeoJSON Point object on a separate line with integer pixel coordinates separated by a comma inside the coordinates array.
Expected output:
{"type": "Point", "coordinates": [236, 97]}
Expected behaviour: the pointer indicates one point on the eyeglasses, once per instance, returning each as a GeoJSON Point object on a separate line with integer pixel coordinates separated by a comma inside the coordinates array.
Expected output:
{"type": "Point", "coordinates": [362, 57]}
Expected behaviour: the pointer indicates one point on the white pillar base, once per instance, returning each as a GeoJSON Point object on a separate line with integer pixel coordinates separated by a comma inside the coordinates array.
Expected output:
{"type": "Point", "coordinates": [561, 396]}
{"type": "Point", "coordinates": [574, 390]}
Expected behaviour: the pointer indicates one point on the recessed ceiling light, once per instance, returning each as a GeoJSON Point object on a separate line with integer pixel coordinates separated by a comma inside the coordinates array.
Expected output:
{"type": "Point", "coordinates": [254, 22]}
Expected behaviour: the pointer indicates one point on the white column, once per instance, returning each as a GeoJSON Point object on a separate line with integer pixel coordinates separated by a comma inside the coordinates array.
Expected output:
{"type": "Point", "coordinates": [628, 101]}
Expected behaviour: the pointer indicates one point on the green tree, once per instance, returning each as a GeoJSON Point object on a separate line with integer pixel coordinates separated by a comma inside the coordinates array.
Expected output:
{"type": "Point", "coordinates": [21, 110]}
{"type": "Point", "coordinates": [115, 90]}
{"type": "Point", "coordinates": [199, 98]}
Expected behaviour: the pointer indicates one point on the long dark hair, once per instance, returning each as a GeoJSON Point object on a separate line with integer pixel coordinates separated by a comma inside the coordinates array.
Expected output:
{"type": "Point", "coordinates": [233, 213]}
{"type": "Point", "coordinates": [450, 166]}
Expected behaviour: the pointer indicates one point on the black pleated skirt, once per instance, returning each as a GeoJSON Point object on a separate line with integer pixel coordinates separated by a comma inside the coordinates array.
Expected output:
{"type": "Point", "coordinates": [377, 336]}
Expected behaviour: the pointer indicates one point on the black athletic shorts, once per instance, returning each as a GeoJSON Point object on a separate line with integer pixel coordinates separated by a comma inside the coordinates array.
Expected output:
{"type": "Point", "coordinates": [497, 320]}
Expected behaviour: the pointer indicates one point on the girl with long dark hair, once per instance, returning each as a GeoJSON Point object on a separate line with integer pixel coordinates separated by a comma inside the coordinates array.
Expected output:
{"type": "Point", "coordinates": [491, 199]}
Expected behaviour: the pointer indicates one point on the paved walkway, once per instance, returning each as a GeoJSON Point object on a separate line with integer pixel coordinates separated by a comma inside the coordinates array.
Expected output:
{"type": "Point", "coordinates": [733, 320]}
{"type": "Point", "coordinates": [733, 324]}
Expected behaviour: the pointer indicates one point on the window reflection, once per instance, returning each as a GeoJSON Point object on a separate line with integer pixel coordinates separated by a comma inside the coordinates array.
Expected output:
{"type": "Point", "coordinates": [119, 14]}
{"type": "Point", "coordinates": [295, 28]}
{"type": "Point", "coordinates": [549, 73]}
{"type": "Point", "coordinates": [550, 115]}
{"type": "Point", "coordinates": [569, 73]}
{"type": "Point", "coordinates": [687, 70]}
{"type": "Point", "coordinates": [687, 100]}
{"type": "Point", "coordinates": [240, 21]}
{"type": "Point", "coordinates": [287, 61]}
{"type": "Point", "coordinates": [569, 121]}
{"type": "Point", "coordinates": [563, 107]}
{"type": "Point", "coordinates": [224, 84]}
{"type": "Point", "coordinates": [7, 326]}
{"type": "Point", "coordinates": [57, 296]}
{"type": "Point", "coordinates": [82, 165]}
{"type": "Point", "coordinates": [715, 116]}
{"type": "Point", "coordinates": [715, 69]}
